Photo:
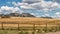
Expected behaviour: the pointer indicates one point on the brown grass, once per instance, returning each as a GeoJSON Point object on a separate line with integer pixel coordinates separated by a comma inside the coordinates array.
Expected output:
{"type": "Point", "coordinates": [26, 21]}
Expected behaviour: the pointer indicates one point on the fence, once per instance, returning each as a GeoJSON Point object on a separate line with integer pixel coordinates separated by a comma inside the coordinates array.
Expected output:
{"type": "Point", "coordinates": [33, 26]}
{"type": "Point", "coordinates": [30, 27]}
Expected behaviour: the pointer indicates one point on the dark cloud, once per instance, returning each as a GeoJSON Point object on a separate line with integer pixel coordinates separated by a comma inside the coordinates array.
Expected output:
{"type": "Point", "coordinates": [31, 1]}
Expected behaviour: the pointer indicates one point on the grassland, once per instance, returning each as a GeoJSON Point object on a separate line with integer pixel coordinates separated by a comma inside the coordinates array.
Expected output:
{"type": "Point", "coordinates": [27, 23]}
{"type": "Point", "coordinates": [27, 20]}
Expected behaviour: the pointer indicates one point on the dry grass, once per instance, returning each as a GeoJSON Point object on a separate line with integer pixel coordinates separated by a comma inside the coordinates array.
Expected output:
{"type": "Point", "coordinates": [27, 20]}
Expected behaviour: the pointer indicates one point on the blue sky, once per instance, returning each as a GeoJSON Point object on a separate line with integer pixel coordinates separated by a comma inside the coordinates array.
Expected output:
{"type": "Point", "coordinates": [5, 2]}
{"type": "Point", "coordinates": [35, 9]}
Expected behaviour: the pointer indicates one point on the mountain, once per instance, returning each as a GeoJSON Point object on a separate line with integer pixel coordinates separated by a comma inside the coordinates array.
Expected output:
{"type": "Point", "coordinates": [47, 17]}
{"type": "Point", "coordinates": [17, 15]}
{"type": "Point", "coordinates": [27, 15]}
{"type": "Point", "coordinates": [14, 14]}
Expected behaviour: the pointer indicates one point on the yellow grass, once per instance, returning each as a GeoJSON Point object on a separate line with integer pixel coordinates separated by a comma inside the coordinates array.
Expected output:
{"type": "Point", "coordinates": [27, 20]}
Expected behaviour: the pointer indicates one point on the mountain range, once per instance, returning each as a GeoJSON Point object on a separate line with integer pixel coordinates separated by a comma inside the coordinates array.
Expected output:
{"type": "Point", "coordinates": [21, 15]}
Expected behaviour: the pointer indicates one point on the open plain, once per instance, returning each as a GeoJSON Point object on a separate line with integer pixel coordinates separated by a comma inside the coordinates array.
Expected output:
{"type": "Point", "coordinates": [30, 24]}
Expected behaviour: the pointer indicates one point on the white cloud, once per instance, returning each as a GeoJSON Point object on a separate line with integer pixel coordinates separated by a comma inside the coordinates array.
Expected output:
{"type": "Point", "coordinates": [32, 14]}
{"type": "Point", "coordinates": [41, 5]}
{"type": "Point", "coordinates": [57, 14]}
{"type": "Point", "coordinates": [14, 3]}
{"type": "Point", "coordinates": [10, 9]}
{"type": "Point", "coordinates": [46, 15]}
{"type": "Point", "coordinates": [6, 8]}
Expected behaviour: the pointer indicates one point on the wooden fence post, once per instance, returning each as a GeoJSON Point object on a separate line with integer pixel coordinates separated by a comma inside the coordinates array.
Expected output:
{"type": "Point", "coordinates": [46, 27]}
{"type": "Point", "coordinates": [18, 26]}
{"type": "Point", "coordinates": [2, 25]}
{"type": "Point", "coordinates": [56, 27]}
{"type": "Point", "coordinates": [34, 29]}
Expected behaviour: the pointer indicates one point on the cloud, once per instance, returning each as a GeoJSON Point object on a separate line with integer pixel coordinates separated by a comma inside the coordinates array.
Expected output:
{"type": "Point", "coordinates": [6, 8]}
{"type": "Point", "coordinates": [14, 3]}
{"type": "Point", "coordinates": [38, 5]}
{"type": "Point", "coordinates": [57, 14]}
{"type": "Point", "coordinates": [31, 1]}
{"type": "Point", "coordinates": [33, 14]}
{"type": "Point", "coordinates": [46, 15]}
{"type": "Point", "coordinates": [26, 7]}
{"type": "Point", "coordinates": [10, 9]}
{"type": "Point", "coordinates": [57, 1]}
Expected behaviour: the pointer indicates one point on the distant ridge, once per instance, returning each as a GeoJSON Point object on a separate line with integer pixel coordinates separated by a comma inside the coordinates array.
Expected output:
{"type": "Point", "coordinates": [17, 15]}
{"type": "Point", "coordinates": [21, 15]}
{"type": "Point", "coordinates": [47, 17]}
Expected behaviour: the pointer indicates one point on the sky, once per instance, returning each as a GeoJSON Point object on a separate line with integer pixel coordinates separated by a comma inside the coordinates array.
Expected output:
{"type": "Point", "coordinates": [50, 8]}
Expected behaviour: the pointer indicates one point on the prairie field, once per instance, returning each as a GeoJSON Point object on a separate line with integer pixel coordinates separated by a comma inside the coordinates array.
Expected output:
{"type": "Point", "coordinates": [28, 20]}
{"type": "Point", "coordinates": [30, 24]}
